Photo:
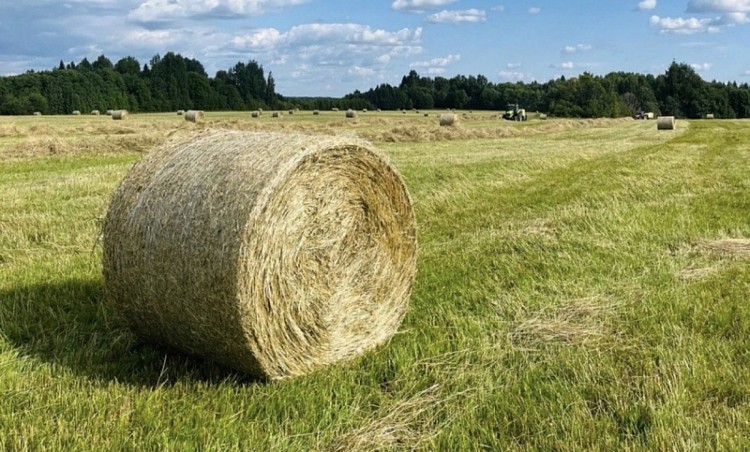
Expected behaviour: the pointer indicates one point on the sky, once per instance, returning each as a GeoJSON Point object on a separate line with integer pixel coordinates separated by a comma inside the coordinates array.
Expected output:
{"type": "Point", "coordinates": [333, 47]}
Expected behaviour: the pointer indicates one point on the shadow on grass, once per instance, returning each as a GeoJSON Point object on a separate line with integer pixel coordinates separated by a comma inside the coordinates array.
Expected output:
{"type": "Point", "coordinates": [69, 324]}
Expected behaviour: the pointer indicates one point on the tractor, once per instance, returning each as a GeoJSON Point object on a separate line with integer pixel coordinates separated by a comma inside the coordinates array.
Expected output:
{"type": "Point", "coordinates": [514, 113]}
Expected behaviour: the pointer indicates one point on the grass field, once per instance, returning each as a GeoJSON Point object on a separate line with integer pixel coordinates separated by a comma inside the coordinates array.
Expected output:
{"type": "Point", "coordinates": [581, 285]}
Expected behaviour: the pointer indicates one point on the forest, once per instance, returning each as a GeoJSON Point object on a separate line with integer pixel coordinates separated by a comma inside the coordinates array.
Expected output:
{"type": "Point", "coordinates": [173, 82]}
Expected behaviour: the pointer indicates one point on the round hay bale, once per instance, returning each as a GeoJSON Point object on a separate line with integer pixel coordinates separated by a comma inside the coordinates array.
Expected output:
{"type": "Point", "coordinates": [316, 112]}
{"type": "Point", "coordinates": [271, 253]}
{"type": "Point", "coordinates": [95, 112]}
{"type": "Point", "coordinates": [710, 116]}
{"type": "Point", "coordinates": [351, 113]}
{"type": "Point", "coordinates": [255, 114]}
{"type": "Point", "coordinates": [334, 109]}
{"type": "Point", "coordinates": [378, 110]}
{"type": "Point", "coordinates": [542, 116]}
{"type": "Point", "coordinates": [426, 115]}
{"type": "Point", "coordinates": [109, 112]}
{"type": "Point", "coordinates": [119, 115]}
{"type": "Point", "coordinates": [180, 112]}
{"type": "Point", "coordinates": [276, 114]}
{"type": "Point", "coordinates": [665, 123]}
{"type": "Point", "coordinates": [76, 113]}
{"type": "Point", "coordinates": [194, 115]}
{"type": "Point", "coordinates": [37, 113]}
{"type": "Point", "coordinates": [291, 112]}
{"type": "Point", "coordinates": [448, 119]}
{"type": "Point", "coordinates": [364, 110]}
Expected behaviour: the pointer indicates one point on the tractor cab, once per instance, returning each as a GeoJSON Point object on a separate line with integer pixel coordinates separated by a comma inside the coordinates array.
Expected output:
{"type": "Point", "coordinates": [514, 113]}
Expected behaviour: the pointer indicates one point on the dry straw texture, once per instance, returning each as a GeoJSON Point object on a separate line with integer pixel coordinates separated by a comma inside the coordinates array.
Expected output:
{"type": "Point", "coordinates": [665, 123]}
{"type": "Point", "coordinates": [351, 113]}
{"type": "Point", "coordinates": [194, 115]}
{"type": "Point", "coordinates": [119, 114]}
{"type": "Point", "coordinates": [271, 253]}
{"type": "Point", "coordinates": [448, 119]}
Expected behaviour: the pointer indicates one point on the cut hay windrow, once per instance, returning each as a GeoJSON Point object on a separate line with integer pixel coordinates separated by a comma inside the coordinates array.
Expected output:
{"type": "Point", "coordinates": [194, 115]}
{"type": "Point", "coordinates": [665, 123]}
{"type": "Point", "coordinates": [119, 115]}
{"type": "Point", "coordinates": [274, 254]}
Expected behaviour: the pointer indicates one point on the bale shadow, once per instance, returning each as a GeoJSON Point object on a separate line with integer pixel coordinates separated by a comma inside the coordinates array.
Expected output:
{"type": "Point", "coordinates": [69, 324]}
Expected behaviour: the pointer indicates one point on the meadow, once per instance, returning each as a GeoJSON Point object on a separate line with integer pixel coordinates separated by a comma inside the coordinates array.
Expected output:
{"type": "Point", "coordinates": [581, 284]}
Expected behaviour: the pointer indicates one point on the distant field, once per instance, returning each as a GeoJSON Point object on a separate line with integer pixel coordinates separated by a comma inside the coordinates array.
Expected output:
{"type": "Point", "coordinates": [581, 284]}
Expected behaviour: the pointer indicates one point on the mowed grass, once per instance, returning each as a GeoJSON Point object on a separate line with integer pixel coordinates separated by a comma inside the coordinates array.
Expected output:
{"type": "Point", "coordinates": [577, 288]}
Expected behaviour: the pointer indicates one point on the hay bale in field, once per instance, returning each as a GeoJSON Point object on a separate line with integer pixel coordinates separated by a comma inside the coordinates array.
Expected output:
{"type": "Point", "coordinates": [255, 114]}
{"type": "Point", "coordinates": [37, 113]}
{"type": "Point", "coordinates": [351, 113]}
{"type": "Point", "coordinates": [426, 115]}
{"type": "Point", "coordinates": [95, 112]}
{"type": "Point", "coordinates": [316, 112]}
{"type": "Point", "coordinates": [271, 253]}
{"type": "Point", "coordinates": [449, 119]}
{"type": "Point", "coordinates": [542, 116]}
{"type": "Point", "coordinates": [665, 123]}
{"type": "Point", "coordinates": [276, 114]}
{"type": "Point", "coordinates": [76, 113]}
{"type": "Point", "coordinates": [710, 116]}
{"type": "Point", "coordinates": [334, 109]}
{"type": "Point", "coordinates": [291, 112]}
{"type": "Point", "coordinates": [180, 112]}
{"type": "Point", "coordinates": [194, 115]}
{"type": "Point", "coordinates": [109, 112]}
{"type": "Point", "coordinates": [119, 115]}
{"type": "Point", "coordinates": [364, 110]}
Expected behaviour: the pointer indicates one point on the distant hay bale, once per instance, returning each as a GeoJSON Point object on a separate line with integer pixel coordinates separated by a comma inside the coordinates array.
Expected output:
{"type": "Point", "coordinates": [334, 109]}
{"type": "Point", "coordinates": [255, 114]}
{"type": "Point", "coordinates": [403, 112]}
{"type": "Point", "coordinates": [76, 113]}
{"type": "Point", "coordinates": [351, 113]}
{"type": "Point", "coordinates": [378, 110]}
{"type": "Point", "coordinates": [364, 110]}
{"type": "Point", "coordinates": [291, 112]}
{"type": "Point", "coordinates": [542, 116]}
{"type": "Point", "coordinates": [710, 116]}
{"type": "Point", "coordinates": [180, 112]}
{"type": "Point", "coordinates": [194, 115]}
{"type": "Point", "coordinates": [109, 112]}
{"type": "Point", "coordinates": [665, 123]}
{"type": "Point", "coordinates": [316, 112]}
{"type": "Point", "coordinates": [274, 254]}
{"type": "Point", "coordinates": [95, 112]}
{"type": "Point", "coordinates": [416, 111]}
{"type": "Point", "coordinates": [426, 115]}
{"type": "Point", "coordinates": [276, 114]}
{"type": "Point", "coordinates": [119, 114]}
{"type": "Point", "coordinates": [448, 119]}
{"type": "Point", "coordinates": [37, 113]}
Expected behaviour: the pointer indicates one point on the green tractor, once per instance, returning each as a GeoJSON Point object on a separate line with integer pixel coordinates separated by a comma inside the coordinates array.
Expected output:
{"type": "Point", "coordinates": [514, 113]}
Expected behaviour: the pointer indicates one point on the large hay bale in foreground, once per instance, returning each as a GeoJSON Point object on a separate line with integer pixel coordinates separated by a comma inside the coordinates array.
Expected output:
{"type": "Point", "coordinates": [274, 254]}
{"type": "Point", "coordinates": [194, 115]}
{"type": "Point", "coordinates": [665, 123]}
{"type": "Point", "coordinates": [448, 119]}
{"type": "Point", "coordinates": [120, 115]}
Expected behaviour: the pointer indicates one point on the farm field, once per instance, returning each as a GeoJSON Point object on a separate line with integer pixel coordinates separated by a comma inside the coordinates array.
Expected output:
{"type": "Point", "coordinates": [580, 284]}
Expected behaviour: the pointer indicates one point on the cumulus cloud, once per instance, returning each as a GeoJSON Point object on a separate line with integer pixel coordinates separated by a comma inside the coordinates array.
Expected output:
{"type": "Point", "coordinates": [646, 4]}
{"type": "Point", "coordinates": [718, 6]}
{"type": "Point", "coordinates": [512, 75]}
{"type": "Point", "coordinates": [418, 5]}
{"type": "Point", "coordinates": [565, 65]}
{"type": "Point", "coordinates": [513, 65]}
{"type": "Point", "coordinates": [535, 10]}
{"type": "Point", "coordinates": [577, 48]}
{"type": "Point", "coordinates": [684, 26]}
{"type": "Point", "coordinates": [498, 8]}
{"type": "Point", "coordinates": [700, 67]}
{"type": "Point", "coordinates": [746, 73]}
{"type": "Point", "coordinates": [436, 65]}
{"type": "Point", "coordinates": [459, 16]}
{"type": "Point", "coordinates": [157, 10]}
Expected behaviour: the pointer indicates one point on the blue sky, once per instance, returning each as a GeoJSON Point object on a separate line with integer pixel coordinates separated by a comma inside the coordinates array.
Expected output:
{"type": "Point", "coordinates": [332, 47]}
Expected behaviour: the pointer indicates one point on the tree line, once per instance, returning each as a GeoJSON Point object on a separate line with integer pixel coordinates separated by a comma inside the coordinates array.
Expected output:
{"type": "Point", "coordinates": [173, 82]}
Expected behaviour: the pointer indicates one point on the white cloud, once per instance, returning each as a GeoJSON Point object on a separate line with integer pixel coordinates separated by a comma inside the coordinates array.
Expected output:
{"type": "Point", "coordinates": [513, 65]}
{"type": "Point", "coordinates": [718, 6]}
{"type": "Point", "coordinates": [577, 48]}
{"type": "Point", "coordinates": [418, 5]}
{"type": "Point", "coordinates": [646, 4]}
{"type": "Point", "coordinates": [498, 8]}
{"type": "Point", "coordinates": [460, 16]}
{"type": "Point", "coordinates": [535, 10]}
{"type": "Point", "coordinates": [156, 10]}
{"type": "Point", "coordinates": [567, 65]}
{"type": "Point", "coordinates": [746, 73]}
{"type": "Point", "coordinates": [436, 65]}
{"type": "Point", "coordinates": [361, 71]}
{"type": "Point", "coordinates": [683, 26]}
{"type": "Point", "coordinates": [512, 75]}
{"type": "Point", "coordinates": [700, 67]}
